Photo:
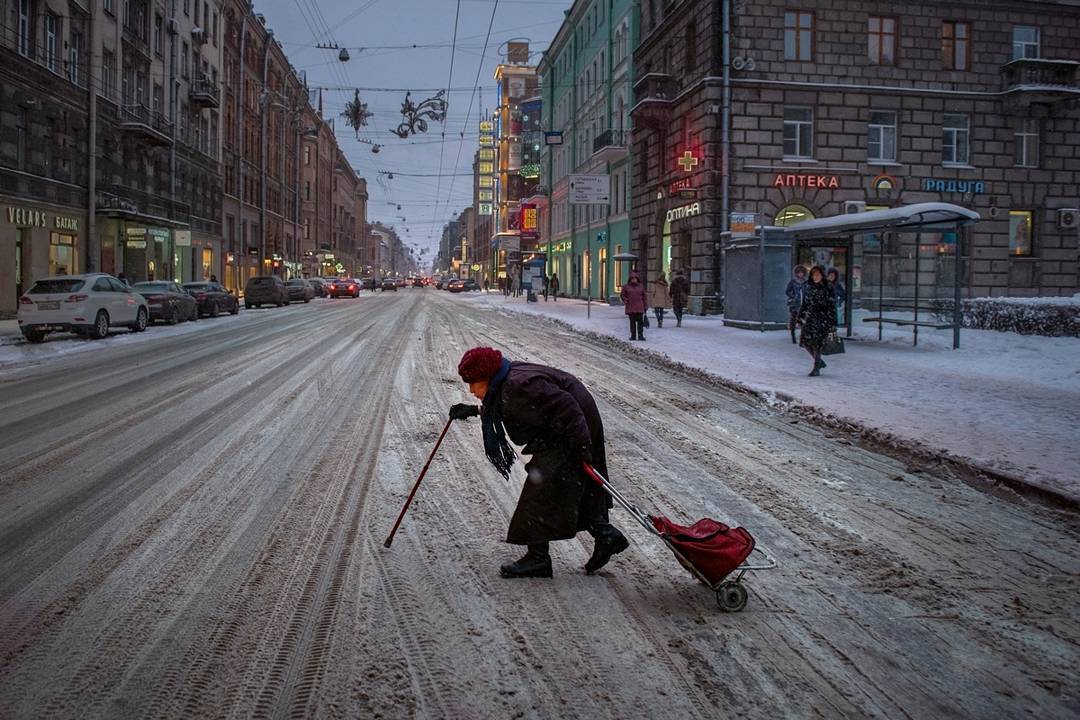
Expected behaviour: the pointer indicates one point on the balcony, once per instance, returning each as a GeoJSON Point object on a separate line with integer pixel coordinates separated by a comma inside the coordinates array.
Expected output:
{"type": "Point", "coordinates": [611, 145]}
{"type": "Point", "coordinates": [204, 93]}
{"type": "Point", "coordinates": [655, 93]}
{"type": "Point", "coordinates": [136, 37]}
{"type": "Point", "coordinates": [143, 122]}
{"type": "Point", "coordinates": [1035, 81]}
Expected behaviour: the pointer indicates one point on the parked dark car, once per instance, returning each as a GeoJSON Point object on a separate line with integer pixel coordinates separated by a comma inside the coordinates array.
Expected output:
{"type": "Point", "coordinates": [168, 301]}
{"type": "Point", "coordinates": [470, 284]}
{"type": "Point", "coordinates": [265, 290]}
{"type": "Point", "coordinates": [213, 299]}
{"type": "Point", "coordinates": [319, 287]}
{"type": "Point", "coordinates": [300, 290]}
{"type": "Point", "coordinates": [388, 284]}
{"type": "Point", "coordinates": [343, 287]}
{"type": "Point", "coordinates": [456, 286]}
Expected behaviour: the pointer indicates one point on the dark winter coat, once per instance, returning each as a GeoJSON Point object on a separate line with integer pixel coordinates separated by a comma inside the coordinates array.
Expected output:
{"type": "Point", "coordinates": [817, 314]}
{"type": "Point", "coordinates": [794, 291]}
{"type": "Point", "coordinates": [552, 414]}
{"type": "Point", "coordinates": [679, 290]}
{"type": "Point", "coordinates": [634, 298]}
{"type": "Point", "coordinates": [554, 283]}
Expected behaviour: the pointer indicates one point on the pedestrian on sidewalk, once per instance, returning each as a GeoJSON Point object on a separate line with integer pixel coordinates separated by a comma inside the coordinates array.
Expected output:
{"type": "Point", "coordinates": [487, 286]}
{"type": "Point", "coordinates": [515, 286]}
{"type": "Point", "coordinates": [635, 305]}
{"type": "Point", "coordinates": [659, 299]}
{"type": "Point", "coordinates": [817, 317]}
{"type": "Point", "coordinates": [795, 288]}
{"type": "Point", "coordinates": [554, 287]}
{"type": "Point", "coordinates": [839, 293]}
{"type": "Point", "coordinates": [551, 414]}
{"type": "Point", "coordinates": [547, 280]}
{"type": "Point", "coordinates": [680, 294]}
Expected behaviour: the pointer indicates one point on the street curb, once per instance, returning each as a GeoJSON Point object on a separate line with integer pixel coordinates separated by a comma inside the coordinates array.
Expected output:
{"type": "Point", "coordinates": [968, 471]}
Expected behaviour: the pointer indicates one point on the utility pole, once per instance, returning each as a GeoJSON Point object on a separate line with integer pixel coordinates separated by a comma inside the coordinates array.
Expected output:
{"type": "Point", "coordinates": [264, 99]}
{"type": "Point", "coordinates": [93, 246]}
{"type": "Point", "coordinates": [174, 87]}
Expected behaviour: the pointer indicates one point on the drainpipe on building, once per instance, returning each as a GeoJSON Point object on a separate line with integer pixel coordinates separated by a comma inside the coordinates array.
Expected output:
{"type": "Point", "coordinates": [725, 139]}
{"type": "Point", "coordinates": [174, 86]}
{"type": "Point", "coordinates": [93, 246]}
{"type": "Point", "coordinates": [264, 100]}
{"type": "Point", "coordinates": [240, 256]}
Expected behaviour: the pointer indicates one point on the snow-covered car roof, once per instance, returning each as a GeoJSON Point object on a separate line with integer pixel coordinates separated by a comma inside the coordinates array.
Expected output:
{"type": "Point", "coordinates": [926, 217]}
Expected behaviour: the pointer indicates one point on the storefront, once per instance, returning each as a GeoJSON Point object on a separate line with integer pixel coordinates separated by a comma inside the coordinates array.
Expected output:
{"type": "Point", "coordinates": [37, 241]}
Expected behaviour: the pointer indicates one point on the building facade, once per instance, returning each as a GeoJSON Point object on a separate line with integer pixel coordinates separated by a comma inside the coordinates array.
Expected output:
{"type": "Point", "coordinates": [877, 106]}
{"type": "Point", "coordinates": [587, 75]}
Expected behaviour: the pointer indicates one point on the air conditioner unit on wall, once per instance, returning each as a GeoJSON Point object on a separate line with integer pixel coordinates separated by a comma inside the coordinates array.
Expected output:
{"type": "Point", "coordinates": [1068, 218]}
{"type": "Point", "coordinates": [174, 26]}
{"type": "Point", "coordinates": [854, 206]}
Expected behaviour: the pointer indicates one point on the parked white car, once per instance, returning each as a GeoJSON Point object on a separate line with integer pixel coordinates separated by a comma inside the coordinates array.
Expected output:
{"type": "Point", "coordinates": [84, 304]}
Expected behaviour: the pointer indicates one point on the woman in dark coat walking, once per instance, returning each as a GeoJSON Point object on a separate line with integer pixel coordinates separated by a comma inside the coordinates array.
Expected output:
{"type": "Point", "coordinates": [680, 293]}
{"type": "Point", "coordinates": [635, 305]}
{"type": "Point", "coordinates": [554, 417]}
{"type": "Point", "coordinates": [817, 316]}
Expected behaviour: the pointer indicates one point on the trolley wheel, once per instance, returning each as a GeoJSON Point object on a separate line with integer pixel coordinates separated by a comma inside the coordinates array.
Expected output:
{"type": "Point", "coordinates": [731, 596]}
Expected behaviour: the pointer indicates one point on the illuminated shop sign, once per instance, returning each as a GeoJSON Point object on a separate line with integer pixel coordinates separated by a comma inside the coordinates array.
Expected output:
{"type": "Point", "coordinates": [529, 221]}
{"type": "Point", "coordinates": [680, 184]}
{"type": "Point", "coordinates": [483, 208]}
{"type": "Point", "coordinates": [684, 212]}
{"type": "Point", "coordinates": [954, 186]}
{"type": "Point", "coordinates": [687, 162]}
{"type": "Point", "coordinates": [26, 217]}
{"type": "Point", "coordinates": [818, 181]}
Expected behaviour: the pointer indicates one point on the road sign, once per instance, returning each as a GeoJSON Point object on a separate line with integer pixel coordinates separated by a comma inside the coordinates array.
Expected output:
{"type": "Point", "coordinates": [742, 224]}
{"type": "Point", "coordinates": [590, 189]}
{"type": "Point", "coordinates": [553, 137]}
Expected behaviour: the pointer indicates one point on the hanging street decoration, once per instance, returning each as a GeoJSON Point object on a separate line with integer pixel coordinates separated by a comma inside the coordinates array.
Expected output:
{"type": "Point", "coordinates": [356, 113]}
{"type": "Point", "coordinates": [415, 117]}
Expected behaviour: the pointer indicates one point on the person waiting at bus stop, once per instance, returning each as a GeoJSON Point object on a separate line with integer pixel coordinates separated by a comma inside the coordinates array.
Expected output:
{"type": "Point", "coordinates": [553, 415]}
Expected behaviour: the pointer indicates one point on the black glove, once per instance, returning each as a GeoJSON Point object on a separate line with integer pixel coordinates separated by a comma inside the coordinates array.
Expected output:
{"type": "Point", "coordinates": [463, 411]}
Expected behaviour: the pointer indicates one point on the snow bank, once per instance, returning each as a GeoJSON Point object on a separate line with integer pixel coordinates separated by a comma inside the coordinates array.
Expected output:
{"type": "Point", "coordinates": [1005, 402]}
{"type": "Point", "coordinates": [1049, 316]}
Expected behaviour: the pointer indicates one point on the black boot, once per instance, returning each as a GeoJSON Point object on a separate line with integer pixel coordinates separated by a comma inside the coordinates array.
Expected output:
{"type": "Point", "coordinates": [609, 541]}
{"type": "Point", "coordinates": [535, 564]}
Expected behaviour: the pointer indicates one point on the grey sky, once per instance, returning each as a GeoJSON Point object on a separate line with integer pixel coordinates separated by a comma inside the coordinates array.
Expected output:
{"type": "Point", "coordinates": [426, 202]}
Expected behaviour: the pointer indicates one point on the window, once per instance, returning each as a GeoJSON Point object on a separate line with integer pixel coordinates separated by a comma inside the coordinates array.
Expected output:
{"type": "Point", "coordinates": [798, 36]}
{"type": "Point", "coordinates": [52, 30]}
{"type": "Point", "coordinates": [159, 34]}
{"type": "Point", "coordinates": [1020, 231]}
{"type": "Point", "coordinates": [643, 162]}
{"type": "Point", "coordinates": [184, 60]}
{"type": "Point", "coordinates": [1026, 138]}
{"type": "Point", "coordinates": [307, 155]}
{"type": "Point", "coordinates": [62, 254]}
{"type": "Point", "coordinates": [954, 142]}
{"type": "Point", "coordinates": [108, 73]}
{"type": "Point", "coordinates": [691, 46]}
{"type": "Point", "coordinates": [187, 7]}
{"type": "Point", "coordinates": [74, 51]}
{"type": "Point", "coordinates": [108, 5]}
{"type": "Point", "coordinates": [955, 45]}
{"type": "Point", "coordinates": [1025, 42]}
{"type": "Point", "coordinates": [798, 132]}
{"type": "Point", "coordinates": [307, 190]}
{"type": "Point", "coordinates": [881, 138]}
{"type": "Point", "coordinates": [882, 40]}
{"type": "Point", "coordinates": [307, 228]}
{"type": "Point", "coordinates": [21, 124]}
{"type": "Point", "coordinates": [214, 36]}
{"type": "Point", "coordinates": [24, 28]}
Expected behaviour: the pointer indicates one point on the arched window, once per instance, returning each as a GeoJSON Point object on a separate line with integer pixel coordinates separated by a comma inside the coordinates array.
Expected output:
{"type": "Point", "coordinates": [792, 215]}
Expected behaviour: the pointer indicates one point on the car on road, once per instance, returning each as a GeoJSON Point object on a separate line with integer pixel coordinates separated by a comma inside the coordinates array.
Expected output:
{"type": "Point", "coordinates": [83, 304]}
{"type": "Point", "coordinates": [212, 298]}
{"type": "Point", "coordinates": [300, 290]}
{"type": "Point", "coordinates": [343, 287]}
{"type": "Point", "coordinates": [369, 283]}
{"type": "Point", "coordinates": [265, 290]}
{"type": "Point", "coordinates": [388, 284]}
{"type": "Point", "coordinates": [399, 282]}
{"type": "Point", "coordinates": [168, 301]}
{"type": "Point", "coordinates": [470, 285]}
{"type": "Point", "coordinates": [319, 287]}
{"type": "Point", "coordinates": [418, 282]}
{"type": "Point", "coordinates": [456, 286]}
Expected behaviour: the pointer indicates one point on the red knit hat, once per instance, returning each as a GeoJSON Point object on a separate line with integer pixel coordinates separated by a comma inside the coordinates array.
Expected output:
{"type": "Point", "coordinates": [481, 363]}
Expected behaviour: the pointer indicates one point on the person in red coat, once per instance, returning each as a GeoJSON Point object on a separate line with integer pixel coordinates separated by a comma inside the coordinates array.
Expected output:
{"type": "Point", "coordinates": [635, 305]}
{"type": "Point", "coordinates": [553, 415]}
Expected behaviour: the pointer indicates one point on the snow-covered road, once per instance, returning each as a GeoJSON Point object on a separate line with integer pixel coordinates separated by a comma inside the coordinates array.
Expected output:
{"type": "Point", "coordinates": [192, 526]}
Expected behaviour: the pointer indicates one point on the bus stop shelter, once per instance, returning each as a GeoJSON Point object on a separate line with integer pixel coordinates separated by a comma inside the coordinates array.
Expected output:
{"type": "Point", "coordinates": [906, 260]}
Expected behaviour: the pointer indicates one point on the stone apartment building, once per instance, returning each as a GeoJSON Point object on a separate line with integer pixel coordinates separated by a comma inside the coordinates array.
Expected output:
{"type": "Point", "coordinates": [843, 107]}
{"type": "Point", "coordinates": [587, 76]}
{"type": "Point", "coordinates": [144, 197]}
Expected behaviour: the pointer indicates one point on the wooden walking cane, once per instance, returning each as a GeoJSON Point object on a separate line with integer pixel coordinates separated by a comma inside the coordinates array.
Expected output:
{"type": "Point", "coordinates": [390, 537]}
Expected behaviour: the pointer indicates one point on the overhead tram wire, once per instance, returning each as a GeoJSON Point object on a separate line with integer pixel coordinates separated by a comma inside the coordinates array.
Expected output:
{"type": "Point", "coordinates": [449, 82]}
{"type": "Point", "coordinates": [472, 98]}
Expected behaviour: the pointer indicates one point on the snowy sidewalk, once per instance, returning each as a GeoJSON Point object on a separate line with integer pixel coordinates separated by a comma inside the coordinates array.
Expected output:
{"type": "Point", "coordinates": [1005, 402]}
